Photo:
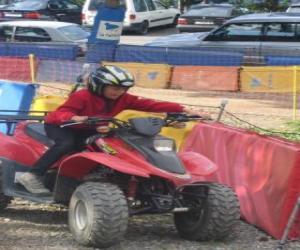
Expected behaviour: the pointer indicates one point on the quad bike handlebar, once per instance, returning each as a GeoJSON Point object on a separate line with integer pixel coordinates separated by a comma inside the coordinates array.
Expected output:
{"type": "Point", "coordinates": [169, 119]}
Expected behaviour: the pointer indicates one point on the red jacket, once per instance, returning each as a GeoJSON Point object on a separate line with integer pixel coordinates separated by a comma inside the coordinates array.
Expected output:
{"type": "Point", "coordinates": [84, 103]}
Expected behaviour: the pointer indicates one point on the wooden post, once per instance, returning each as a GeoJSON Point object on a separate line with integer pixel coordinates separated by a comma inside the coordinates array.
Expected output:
{"type": "Point", "coordinates": [32, 67]}
{"type": "Point", "coordinates": [295, 101]}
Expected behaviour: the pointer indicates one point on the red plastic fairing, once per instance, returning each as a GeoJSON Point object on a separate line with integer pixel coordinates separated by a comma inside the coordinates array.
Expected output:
{"type": "Point", "coordinates": [126, 160]}
{"type": "Point", "coordinates": [81, 164]}
{"type": "Point", "coordinates": [264, 172]}
{"type": "Point", "coordinates": [197, 164]}
{"type": "Point", "coordinates": [14, 150]}
{"type": "Point", "coordinates": [25, 139]}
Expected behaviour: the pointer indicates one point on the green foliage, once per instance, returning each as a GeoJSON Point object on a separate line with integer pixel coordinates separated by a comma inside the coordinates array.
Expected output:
{"type": "Point", "coordinates": [290, 132]}
{"type": "Point", "coordinates": [265, 6]}
{"type": "Point", "coordinates": [79, 2]}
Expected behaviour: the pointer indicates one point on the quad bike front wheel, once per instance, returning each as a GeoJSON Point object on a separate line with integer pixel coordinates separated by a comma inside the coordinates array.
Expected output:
{"type": "Point", "coordinates": [215, 220]}
{"type": "Point", "coordinates": [4, 200]}
{"type": "Point", "coordinates": [98, 214]}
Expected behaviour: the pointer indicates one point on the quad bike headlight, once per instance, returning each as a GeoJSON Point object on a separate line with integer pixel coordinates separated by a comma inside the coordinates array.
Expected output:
{"type": "Point", "coordinates": [164, 145]}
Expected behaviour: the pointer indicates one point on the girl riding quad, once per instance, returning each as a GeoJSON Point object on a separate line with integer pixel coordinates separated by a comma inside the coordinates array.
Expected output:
{"type": "Point", "coordinates": [106, 96]}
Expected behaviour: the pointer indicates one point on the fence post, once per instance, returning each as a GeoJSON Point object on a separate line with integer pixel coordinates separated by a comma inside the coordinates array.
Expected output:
{"type": "Point", "coordinates": [32, 67]}
{"type": "Point", "coordinates": [295, 101]}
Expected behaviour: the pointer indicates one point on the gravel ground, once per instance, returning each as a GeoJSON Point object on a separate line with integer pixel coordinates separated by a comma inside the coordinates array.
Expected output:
{"type": "Point", "coordinates": [24, 225]}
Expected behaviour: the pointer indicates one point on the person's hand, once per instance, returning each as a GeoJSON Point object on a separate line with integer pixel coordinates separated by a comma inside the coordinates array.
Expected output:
{"type": "Point", "coordinates": [201, 113]}
{"type": "Point", "coordinates": [176, 124]}
{"type": "Point", "coordinates": [103, 129]}
{"type": "Point", "coordinates": [77, 118]}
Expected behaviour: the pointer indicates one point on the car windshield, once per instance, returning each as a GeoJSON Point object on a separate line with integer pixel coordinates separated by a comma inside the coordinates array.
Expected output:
{"type": "Point", "coordinates": [209, 11]}
{"type": "Point", "coordinates": [27, 5]}
{"type": "Point", "coordinates": [94, 4]}
{"type": "Point", "coordinates": [74, 32]}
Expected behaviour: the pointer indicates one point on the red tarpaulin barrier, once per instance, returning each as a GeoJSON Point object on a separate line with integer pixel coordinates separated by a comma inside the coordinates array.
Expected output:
{"type": "Point", "coordinates": [15, 69]}
{"type": "Point", "coordinates": [264, 171]}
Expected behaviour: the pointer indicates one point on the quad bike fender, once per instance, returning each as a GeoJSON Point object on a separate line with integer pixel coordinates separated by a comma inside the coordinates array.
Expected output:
{"type": "Point", "coordinates": [12, 149]}
{"type": "Point", "coordinates": [197, 164]}
{"type": "Point", "coordinates": [78, 165]}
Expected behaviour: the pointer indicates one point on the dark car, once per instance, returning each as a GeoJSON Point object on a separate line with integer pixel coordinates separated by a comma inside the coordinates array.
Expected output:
{"type": "Point", "coordinates": [205, 17]}
{"type": "Point", "coordinates": [59, 10]}
{"type": "Point", "coordinates": [267, 33]}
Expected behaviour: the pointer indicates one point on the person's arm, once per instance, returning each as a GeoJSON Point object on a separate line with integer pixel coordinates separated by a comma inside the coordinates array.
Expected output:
{"type": "Point", "coordinates": [68, 110]}
{"type": "Point", "coordinates": [150, 105]}
{"type": "Point", "coordinates": [143, 104]}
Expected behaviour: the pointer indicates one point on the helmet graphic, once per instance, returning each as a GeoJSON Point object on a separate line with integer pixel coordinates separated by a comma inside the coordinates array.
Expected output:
{"type": "Point", "coordinates": [109, 75]}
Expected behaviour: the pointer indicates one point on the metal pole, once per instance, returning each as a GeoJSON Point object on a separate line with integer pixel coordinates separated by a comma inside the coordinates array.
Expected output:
{"type": "Point", "coordinates": [224, 102]}
{"type": "Point", "coordinates": [290, 223]}
{"type": "Point", "coordinates": [295, 92]}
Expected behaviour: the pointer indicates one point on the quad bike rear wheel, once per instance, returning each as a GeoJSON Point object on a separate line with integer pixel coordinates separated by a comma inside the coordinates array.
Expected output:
{"type": "Point", "coordinates": [4, 200]}
{"type": "Point", "coordinates": [215, 221]}
{"type": "Point", "coordinates": [98, 214]}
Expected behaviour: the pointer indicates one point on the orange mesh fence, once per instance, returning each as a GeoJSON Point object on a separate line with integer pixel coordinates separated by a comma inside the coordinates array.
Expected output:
{"type": "Point", "coordinates": [17, 69]}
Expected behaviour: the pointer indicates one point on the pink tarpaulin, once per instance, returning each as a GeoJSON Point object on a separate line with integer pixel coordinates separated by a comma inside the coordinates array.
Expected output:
{"type": "Point", "coordinates": [264, 171]}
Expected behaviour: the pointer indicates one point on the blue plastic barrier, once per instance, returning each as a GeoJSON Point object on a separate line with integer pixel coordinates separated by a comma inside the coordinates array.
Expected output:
{"type": "Point", "coordinates": [199, 56]}
{"type": "Point", "coordinates": [61, 71]}
{"type": "Point", "coordinates": [100, 52]}
{"type": "Point", "coordinates": [16, 97]}
{"type": "Point", "coordinates": [43, 51]}
{"type": "Point", "coordinates": [141, 54]}
{"type": "Point", "coordinates": [282, 60]}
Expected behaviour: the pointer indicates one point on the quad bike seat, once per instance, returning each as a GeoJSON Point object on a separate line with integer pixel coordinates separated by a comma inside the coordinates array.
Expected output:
{"type": "Point", "coordinates": [37, 131]}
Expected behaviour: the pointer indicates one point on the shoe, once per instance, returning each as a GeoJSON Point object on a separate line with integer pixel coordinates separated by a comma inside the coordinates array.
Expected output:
{"type": "Point", "coordinates": [32, 183]}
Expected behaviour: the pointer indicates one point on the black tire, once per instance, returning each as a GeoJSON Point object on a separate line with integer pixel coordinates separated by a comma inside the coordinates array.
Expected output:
{"type": "Point", "coordinates": [174, 23]}
{"type": "Point", "coordinates": [143, 30]}
{"type": "Point", "coordinates": [98, 214]}
{"type": "Point", "coordinates": [216, 221]}
{"type": "Point", "coordinates": [4, 200]}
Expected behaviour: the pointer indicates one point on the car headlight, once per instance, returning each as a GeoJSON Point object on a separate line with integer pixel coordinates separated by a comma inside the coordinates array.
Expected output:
{"type": "Point", "coordinates": [163, 145]}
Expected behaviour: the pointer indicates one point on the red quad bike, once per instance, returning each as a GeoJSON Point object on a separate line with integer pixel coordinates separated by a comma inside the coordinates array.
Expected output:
{"type": "Point", "coordinates": [128, 170]}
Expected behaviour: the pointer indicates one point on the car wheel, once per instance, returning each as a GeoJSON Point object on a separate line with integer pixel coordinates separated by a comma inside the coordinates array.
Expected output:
{"type": "Point", "coordinates": [98, 214]}
{"type": "Point", "coordinates": [144, 28]}
{"type": "Point", "coordinates": [174, 23]}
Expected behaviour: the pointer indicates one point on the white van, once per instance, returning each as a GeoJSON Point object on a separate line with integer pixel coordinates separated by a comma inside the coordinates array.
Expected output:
{"type": "Point", "coordinates": [140, 14]}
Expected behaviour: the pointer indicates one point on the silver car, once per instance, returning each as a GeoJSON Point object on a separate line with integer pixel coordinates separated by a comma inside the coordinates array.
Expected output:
{"type": "Point", "coordinates": [44, 32]}
{"type": "Point", "coordinates": [265, 33]}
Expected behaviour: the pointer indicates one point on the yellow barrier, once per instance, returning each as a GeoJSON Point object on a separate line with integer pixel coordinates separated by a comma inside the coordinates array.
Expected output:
{"type": "Point", "coordinates": [46, 103]}
{"type": "Point", "coordinates": [268, 79]}
{"type": "Point", "coordinates": [179, 135]}
{"type": "Point", "coordinates": [147, 75]}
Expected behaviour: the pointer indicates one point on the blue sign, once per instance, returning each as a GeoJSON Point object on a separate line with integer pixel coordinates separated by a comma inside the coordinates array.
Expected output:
{"type": "Point", "coordinates": [108, 25]}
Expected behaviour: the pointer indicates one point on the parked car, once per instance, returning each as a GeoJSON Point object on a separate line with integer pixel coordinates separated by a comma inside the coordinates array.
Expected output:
{"type": "Point", "coordinates": [44, 31]}
{"type": "Point", "coordinates": [205, 17]}
{"type": "Point", "coordinates": [4, 3]}
{"type": "Point", "coordinates": [59, 10]}
{"type": "Point", "coordinates": [274, 32]}
{"type": "Point", "coordinates": [140, 14]}
{"type": "Point", "coordinates": [294, 8]}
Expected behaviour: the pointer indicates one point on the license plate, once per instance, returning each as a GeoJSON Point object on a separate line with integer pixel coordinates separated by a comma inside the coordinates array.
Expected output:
{"type": "Point", "coordinates": [12, 15]}
{"type": "Point", "coordinates": [204, 23]}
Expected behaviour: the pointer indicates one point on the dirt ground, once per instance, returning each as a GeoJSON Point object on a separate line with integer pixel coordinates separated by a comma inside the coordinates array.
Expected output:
{"type": "Point", "coordinates": [26, 225]}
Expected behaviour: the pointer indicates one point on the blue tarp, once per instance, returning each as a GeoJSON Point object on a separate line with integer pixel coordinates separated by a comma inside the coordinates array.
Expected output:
{"type": "Point", "coordinates": [16, 97]}
{"type": "Point", "coordinates": [61, 71]}
{"type": "Point", "coordinates": [282, 60]}
{"type": "Point", "coordinates": [100, 52]}
{"type": "Point", "coordinates": [141, 54]}
{"type": "Point", "coordinates": [43, 51]}
{"type": "Point", "coordinates": [199, 56]}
